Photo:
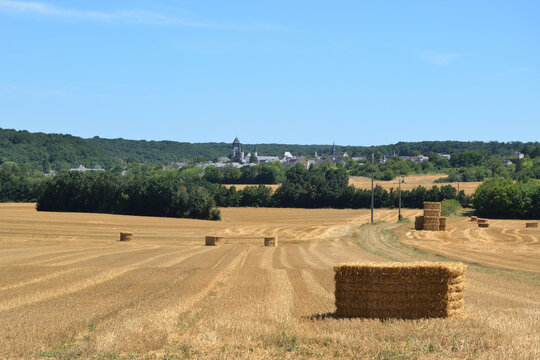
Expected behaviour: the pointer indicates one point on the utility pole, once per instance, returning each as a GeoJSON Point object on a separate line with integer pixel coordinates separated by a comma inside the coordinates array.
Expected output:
{"type": "Point", "coordinates": [372, 174]}
{"type": "Point", "coordinates": [400, 179]}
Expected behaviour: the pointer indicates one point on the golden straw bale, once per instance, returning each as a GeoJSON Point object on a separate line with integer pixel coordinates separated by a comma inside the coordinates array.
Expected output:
{"type": "Point", "coordinates": [421, 269]}
{"type": "Point", "coordinates": [431, 220]}
{"type": "Point", "coordinates": [432, 212]}
{"type": "Point", "coordinates": [483, 225]}
{"type": "Point", "coordinates": [474, 218]}
{"type": "Point", "coordinates": [442, 227]}
{"type": "Point", "coordinates": [432, 205]}
{"type": "Point", "coordinates": [126, 236]}
{"type": "Point", "coordinates": [419, 223]}
{"type": "Point", "coordinates": [442, 220]}
{"type": "Point", "coordinates": [400, 290]}
{"type": "Point", "coordinates": [398, 313]}
{"type": "Point", "coordinates": [531, 224]}
{"type": "Point", "coordinates": [213, 240]}
{"type": "Point", "coordinates": [482, 221]}
{"type": "Point", "coordinates": [431, 223]}
{"type": "Point", "coordinates": [271, 241]}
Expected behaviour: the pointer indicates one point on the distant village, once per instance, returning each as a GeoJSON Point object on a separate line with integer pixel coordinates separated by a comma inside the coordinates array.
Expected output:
{"type": "Point", "coordinates": [239, 158]}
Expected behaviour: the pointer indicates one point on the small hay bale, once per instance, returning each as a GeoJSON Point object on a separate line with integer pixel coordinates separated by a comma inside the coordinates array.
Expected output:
{"type": "Point", "coordinates": [432, 212]}
{"type": "Point", "coordinates": [126, 236]}
{"type": "Point", "coordinates": [474, 218]}
{"type": "Point", "coordinates": [419, 223]}
{"type": "Point", "coordinates": [531, 224]}
{"type": "Point", "coordinates": [442, 227]}
{"type": "Point", "coordinates": [442, 220]}
{"type": "Point", "coordinates": [432, 205]}
{"type": "Point", "coordinates": [482, 221]}
{"type": "Point", "coordinates": [213, 240]}
{"type": "Point", "coordinates": [270, 241]}
{"type": "Point", "coordinates": [483, 225]}
{"type": "Point", "coordinates": [400, 290]}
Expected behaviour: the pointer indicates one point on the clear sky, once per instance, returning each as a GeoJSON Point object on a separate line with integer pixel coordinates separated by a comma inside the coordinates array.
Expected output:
{"type": "Point", "coordinates": [303, 72]}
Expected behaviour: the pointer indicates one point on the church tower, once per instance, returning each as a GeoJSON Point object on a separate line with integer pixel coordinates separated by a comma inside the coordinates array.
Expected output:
{"type": "Point", "coordinates": [235, 149]}
{"type": "Point", "coordinates": [255, 151]}
{"type": "Point", "coordinates": [333, 148]}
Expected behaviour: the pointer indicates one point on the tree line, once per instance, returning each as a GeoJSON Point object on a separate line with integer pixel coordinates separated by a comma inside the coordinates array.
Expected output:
{"type": "Point", "coordinates": [328, 187]}
{"type": "Point", "coordinates": [504, 198]}
{"type": "Point", "coordinates": [164, 194]}
{"type": "Point", "coordinates": [151, 191]}
{"type": "Point", "coordinates": [43, 152]}
{"type": "Point", "coordinates": [146, 191]}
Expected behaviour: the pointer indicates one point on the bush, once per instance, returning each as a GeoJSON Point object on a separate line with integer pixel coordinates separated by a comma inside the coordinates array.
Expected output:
{"type": "Point", "coordinates": [502, 198]}
{"type": "Point", "coordinates": [450, 207]}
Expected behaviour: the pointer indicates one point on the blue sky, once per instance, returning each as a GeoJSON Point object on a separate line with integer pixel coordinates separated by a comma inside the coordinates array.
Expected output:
{"type": "Point", "coordinates": [304, 72]}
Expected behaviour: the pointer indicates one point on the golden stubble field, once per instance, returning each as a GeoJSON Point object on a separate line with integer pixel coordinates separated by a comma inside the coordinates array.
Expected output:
{"type": "Point", "coordinates": [410, 182]}
{"type": "Point", "coordinates": [70, 289]}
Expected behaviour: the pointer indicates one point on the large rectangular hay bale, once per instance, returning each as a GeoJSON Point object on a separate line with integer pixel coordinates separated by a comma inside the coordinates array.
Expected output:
{"type": "Point", "coordinates": [431, 220]}
{"type": "Point", "coordinates": [400, 290]}
{"type": "Point", "coordinates": [531, 224]}
{"type": "Point", "coordinates": [474, 218]}
{"type": "Point", "coordinates": [271, 241]}
{"type": "Point", "coordinates": [419, 223]}
{"type": "Point", "coordinates": [432, 212]}
{"type": "Point", "coordinates": [432, 227]}
{"type": "Point", "coordinates": [212, 240]}
{"type": "Point", "coordinates": [126, 236]}
{"type": "Point", "coordinates": [432, 205]}
{"type": "Point", "coordinates": [483, 225]}
{"type": "Point", "coordinates": [482, 221]}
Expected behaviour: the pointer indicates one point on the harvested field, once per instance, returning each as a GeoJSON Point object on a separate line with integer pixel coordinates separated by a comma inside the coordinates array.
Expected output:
{"type": "Point", "coordinates": [70, 289]}
{"type": "Point", "coordinates": [411, 182]}
{"type": "Point", "coordinates": [242, 186]}
{"type": "Point", "coordinates": [506, 244]}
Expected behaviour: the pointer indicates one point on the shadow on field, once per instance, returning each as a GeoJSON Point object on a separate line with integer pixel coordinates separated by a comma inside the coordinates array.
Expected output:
{"type": "Point", "coordinates": [333, 315]}
{"type": "Point", "coordinates": [324, 316]}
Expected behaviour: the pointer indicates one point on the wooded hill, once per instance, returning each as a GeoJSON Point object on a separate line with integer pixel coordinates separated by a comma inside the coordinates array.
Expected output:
{"type": "Point", "coordinates": [44, 152]}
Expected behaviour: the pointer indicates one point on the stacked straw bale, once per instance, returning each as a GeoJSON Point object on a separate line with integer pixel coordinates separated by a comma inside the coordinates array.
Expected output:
{"type": "Point", "coordinates": [474, 218]}
{"type": "Point", "coordinates": [213, 240]}
{"type": "Point", "coordinates": [126, 236]}
{"type": "Point", "coordinates": [400, 290]}
{"type": "Point", "coordinates": [271, 241]}
{"type": "Point", "coordinates": [431, 219]}
{"type": "Point", "coordinates": [431, 223]}
{"type": "Point", "coordinates": [531, 224]}
{"type": "Point", "coordinates": [442, 223]}
{"type": "Point", "coordinates": [419, 223]}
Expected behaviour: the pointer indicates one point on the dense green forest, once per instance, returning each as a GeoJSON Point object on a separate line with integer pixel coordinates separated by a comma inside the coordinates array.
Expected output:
{"type": "Point", "coordinates": [43, 152]}
{"type": "Point", "coordinates": [165, 194]}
